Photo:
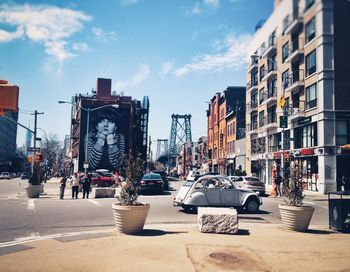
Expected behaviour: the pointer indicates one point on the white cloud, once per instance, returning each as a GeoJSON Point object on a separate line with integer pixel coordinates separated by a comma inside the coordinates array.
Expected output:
{"type": "Point", "coordinates": [83, 47]}
{"type": "Point", "coordinates": [233, 56]}
{"type": "Point", "coordinates": [101, 35]}
{"type": "Point", "coordinates": [201, 5]}
{"type": "Point", "coordinates": [212, 3]}
{"type": "Point", "coordinates": [196, 9]}
{"type": "Point", "coordinates": [140, 76]}
{"type": "Point", "coordinates": [166, 68]}
{"type": "Point", "coordinates": [48, 25]}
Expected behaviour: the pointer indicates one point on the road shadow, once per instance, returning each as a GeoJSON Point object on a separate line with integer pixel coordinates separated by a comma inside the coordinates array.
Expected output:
{"type": "Point", "coordinates": [243, 232]}
{"type": "Point", "coordinates": [313, 231]}
{"type": "Point", "coordinates": [153, 194]}
{"type": "Point", "coordinates": [154, 232]}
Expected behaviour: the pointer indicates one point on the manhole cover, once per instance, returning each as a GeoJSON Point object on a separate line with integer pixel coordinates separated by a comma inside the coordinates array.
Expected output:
{"type": "Point", "coordinates": [224, 257]}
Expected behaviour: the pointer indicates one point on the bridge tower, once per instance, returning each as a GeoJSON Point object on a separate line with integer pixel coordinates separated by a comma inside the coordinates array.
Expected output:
{"type": "Point", "coordinates": [162, 148]}
{"type": "Point", "coordinates": [180, 133]}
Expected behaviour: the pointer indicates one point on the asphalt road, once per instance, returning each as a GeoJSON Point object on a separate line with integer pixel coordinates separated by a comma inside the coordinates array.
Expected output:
{"type": "Point", "coordinates": [21, 217]}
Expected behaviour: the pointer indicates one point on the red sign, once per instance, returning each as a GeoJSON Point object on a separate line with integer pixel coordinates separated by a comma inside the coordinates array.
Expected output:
{"type": "Point", "coordinates": [307, 151]}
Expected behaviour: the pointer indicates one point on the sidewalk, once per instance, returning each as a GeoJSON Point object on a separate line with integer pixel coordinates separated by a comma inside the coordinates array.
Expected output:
{"type": "Point", "coordinates": [183, 248]}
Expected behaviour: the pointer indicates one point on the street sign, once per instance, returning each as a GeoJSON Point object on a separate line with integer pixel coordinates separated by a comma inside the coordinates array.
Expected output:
{"type": "Point", "coordinates": [283, 121]}
{"type": "Point", "coordinates": [38, 138]}
{"type": "Point", "coordinates": [32, 149]}
{"type": "Point", "coordinates": [86, 165]}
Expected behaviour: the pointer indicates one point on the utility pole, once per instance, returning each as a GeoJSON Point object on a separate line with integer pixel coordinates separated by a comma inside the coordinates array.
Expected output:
{"type": "Point", "coordinates": [35, 179]}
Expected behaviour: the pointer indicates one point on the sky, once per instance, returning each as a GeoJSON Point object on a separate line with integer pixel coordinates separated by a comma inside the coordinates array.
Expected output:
{"type": "Point", "coordinates": [179, 53]}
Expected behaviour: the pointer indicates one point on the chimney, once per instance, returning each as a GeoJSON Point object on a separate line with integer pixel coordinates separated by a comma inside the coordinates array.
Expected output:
{"type": "Point", "coordinates": [104, 87]}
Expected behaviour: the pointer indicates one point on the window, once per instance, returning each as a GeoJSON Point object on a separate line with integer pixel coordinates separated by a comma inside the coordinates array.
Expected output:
{"type": "Point", "coordinates": [271, 88]}
{"type": "Point", "coordinates": [285, 51]}
{"type": "Point", "coordinates": [305, 136]}
{"type": "Point", "coordinates": [285, 79]}
{"type": "Point", "coordinates": [309, 3]}
{"type": "Point", "coordinates": [311, 96]}
{"type": "Point", "coordinates": [310, 30]}
{"type": "Point", "coordinates": [311, 63]}
{"type": "Point", "coordinates": [261, 96]}
{"type": "Point", "coordinates": [285, 23]}
{"type": "Point", "coordinates": [271, 63]}
{"type": "Point", "coordinates": [342, 132]}
{"type": "Point", "coordinates": [254, 124]}
{"type": "Point", "coordinates": [254, 100]}
{"type": "Point", "coordinates": [272, 38]}
{"type": "Point", "coordinates": [261, 118]}
{"type": "Point", "coordinates": [271, 115]}
{"type": "Point", "coordinates": [262, 72]}
{"type": "Point", "coordinates": [254, 78]}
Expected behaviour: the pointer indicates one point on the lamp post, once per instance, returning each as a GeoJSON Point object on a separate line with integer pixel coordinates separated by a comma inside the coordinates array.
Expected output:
{"type": "Point", "coordinates": [86, 164]}
{"type": "Point", "coordinates": [283, 121]}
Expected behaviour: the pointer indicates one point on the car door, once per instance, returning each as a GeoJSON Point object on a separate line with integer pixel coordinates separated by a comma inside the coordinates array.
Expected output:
{"type": "Point", "coordinates": [213, 192]}
{"type": "Point", "coordinates": [229, 193]}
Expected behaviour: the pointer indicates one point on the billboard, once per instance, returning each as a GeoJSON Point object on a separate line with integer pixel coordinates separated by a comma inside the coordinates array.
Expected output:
{"type": "Point", "coordinates": [105, 140]}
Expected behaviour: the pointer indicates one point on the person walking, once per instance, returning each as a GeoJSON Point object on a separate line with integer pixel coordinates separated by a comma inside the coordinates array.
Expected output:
{"type": "Point", "coordinates": [62, 186]}
{"type": "Point", "coordinates": [86, 185]}
{"type": "Point", "coordinates": [117, 180]}
{"type": "Point", "coordinates": [75, 186]}
{"type": "Point", "coordinates": [279, 181]}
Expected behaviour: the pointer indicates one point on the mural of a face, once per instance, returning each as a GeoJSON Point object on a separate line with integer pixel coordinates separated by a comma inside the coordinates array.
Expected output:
{"type": "Point", "coordinates": [106, 126]}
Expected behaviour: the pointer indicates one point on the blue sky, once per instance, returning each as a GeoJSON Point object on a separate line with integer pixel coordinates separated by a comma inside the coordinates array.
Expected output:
{"type": "Point", "coordinates": [177, 52]}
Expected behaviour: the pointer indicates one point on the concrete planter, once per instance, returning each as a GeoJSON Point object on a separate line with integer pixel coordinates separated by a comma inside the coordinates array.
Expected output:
{"type": "Point", "coordinates": [33, 191]}
{"type": "Point", "coordinates": [130, 219]}
{"type": "Point", "coordinates": [296, 218]}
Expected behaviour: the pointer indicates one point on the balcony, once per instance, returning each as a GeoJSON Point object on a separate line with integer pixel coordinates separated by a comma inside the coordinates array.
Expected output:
{"type": "Point", "coordinates": [251, 86]}
{"type": "Point", "coordinates": [252, 106]}
{"type": "Point", "coordinates": [271, 95]}
{"type": "Point", "coordinates": [293, 26]}
{"type": "Point", "coordinates": [271, 122]}
{"type": "Point", "coordinates": [271, 49]}
{"type": "Point", "coordinates": [252, 128]}
{"type": "Point", "coordinates": [252, 65]}
{"type": "Point", "coordinates": [296, 50]}
{"type": "Point", "coordinates": [295, 81]}
{"type": "Point", "coordinates": [296, 111]}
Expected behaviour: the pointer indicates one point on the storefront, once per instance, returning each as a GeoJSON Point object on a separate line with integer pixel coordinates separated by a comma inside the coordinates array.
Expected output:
{"type": "Point", "coordinates": [343, 168]}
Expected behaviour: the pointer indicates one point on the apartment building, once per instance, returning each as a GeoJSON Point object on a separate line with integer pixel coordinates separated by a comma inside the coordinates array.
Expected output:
{"type": "Point", "coordinates": [230, 100]}
{"type": "Point", "coordinates": [297, 88]}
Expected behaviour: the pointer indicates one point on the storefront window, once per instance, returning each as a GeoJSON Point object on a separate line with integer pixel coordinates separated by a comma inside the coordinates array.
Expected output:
{"type": "Point", "coordinates": [342, 132]}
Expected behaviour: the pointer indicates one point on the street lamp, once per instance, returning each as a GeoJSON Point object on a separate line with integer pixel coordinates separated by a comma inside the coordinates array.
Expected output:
{"type": "Point", "coordinates": [283, 120]}
{"type": "Point", "coordinates": [86, 165]}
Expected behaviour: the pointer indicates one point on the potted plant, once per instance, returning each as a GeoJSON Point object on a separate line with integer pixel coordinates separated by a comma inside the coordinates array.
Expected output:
{"type": "Point", "coordinates": [294, 215]}
{"type": "Point", "coordinates": [129, 214]}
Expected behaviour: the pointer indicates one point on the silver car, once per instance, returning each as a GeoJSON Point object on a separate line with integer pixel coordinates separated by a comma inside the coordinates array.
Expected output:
{"type": "Point", "coordinates": [250, 183]}
{"type": "Point", "coordinates": [216, 191]}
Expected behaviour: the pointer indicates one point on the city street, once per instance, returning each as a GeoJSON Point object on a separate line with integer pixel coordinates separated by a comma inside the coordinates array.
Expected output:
{"type": "Point", "coordinates": [22, 217]}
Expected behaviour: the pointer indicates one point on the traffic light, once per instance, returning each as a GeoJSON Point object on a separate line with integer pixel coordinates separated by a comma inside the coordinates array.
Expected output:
{"type": "Point", "coordinates": [38, 157]}
{"type": "Point", "coordinates": [283, 121]}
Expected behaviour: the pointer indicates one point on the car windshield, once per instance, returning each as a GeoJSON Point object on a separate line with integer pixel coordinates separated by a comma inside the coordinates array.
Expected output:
{"type": "Point", "coordinates": [151, 176]}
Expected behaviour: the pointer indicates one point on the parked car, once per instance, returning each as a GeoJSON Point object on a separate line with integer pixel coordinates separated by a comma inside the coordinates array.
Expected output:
{"type": "Point", "coordinates": [5, 175]}
{"type": "Point", "coordinates": [216, 191]}
{"type": "Point", "coordinates": [251, 183]}
{"type": "Point", "coordinates": [164, 176]}
{"type": "Point", "coordinates": [152, 182]}
{"type": "Point", "coordinates": [104, 179]}
{"type": "Point", "coordinates": [192, 175]}
{"type": "Point", "coordinates": [25, 175]}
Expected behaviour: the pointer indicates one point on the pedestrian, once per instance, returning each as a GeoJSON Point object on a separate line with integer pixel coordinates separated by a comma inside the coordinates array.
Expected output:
{"type": "Point", "coordinates": [62, 186]}
{"type": "Point", "coordinates": [86, 184]}
{"type": "Point", "coordinates": [116, 178]}
{"type": "Point", "coordinates": [75, 186]}
{"type": "Point", "coordinates": [279, 181]}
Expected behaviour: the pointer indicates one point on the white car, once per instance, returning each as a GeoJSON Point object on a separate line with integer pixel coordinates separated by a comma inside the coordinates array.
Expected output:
{"type": "Point", "coordinates": [216, 191]}
{"type": "Point", "coordinates": [5, 175]}
{"type": "Point", "coordinates": [250, 183]}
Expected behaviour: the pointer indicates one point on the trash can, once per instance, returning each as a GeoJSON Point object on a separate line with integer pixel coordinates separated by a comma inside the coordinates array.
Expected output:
{"type": "Point", "coordinates": [339, 211]}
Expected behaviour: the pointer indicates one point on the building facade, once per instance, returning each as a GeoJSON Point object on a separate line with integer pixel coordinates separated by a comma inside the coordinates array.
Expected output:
{"type": "Point", "coordinates": [296, 92]}
{"type": "Point", "coordinates": [221, 140]}
{"type": "Point", "coordinates": [105, 128]}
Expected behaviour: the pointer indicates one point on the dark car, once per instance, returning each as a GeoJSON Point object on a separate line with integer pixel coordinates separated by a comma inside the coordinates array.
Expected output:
{"type": "Point", "coordinates": [152, 182]}
{"type": "Point", "coordinates": [25, 175]}
{"type": "Point", "coordinates": [102, 179]}
{"type": "Point", "coordinates": [164, 176]}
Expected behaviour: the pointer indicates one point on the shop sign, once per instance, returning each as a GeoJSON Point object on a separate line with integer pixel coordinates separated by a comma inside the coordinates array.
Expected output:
{"type": "Point", "coordinates": [304, 121]}
{"type": "Point", "coordinates": [307, 151]}
{"type": "Point", "coordinates": [277, 155]}
{"type": "Point", "coordinates": [296, 152]}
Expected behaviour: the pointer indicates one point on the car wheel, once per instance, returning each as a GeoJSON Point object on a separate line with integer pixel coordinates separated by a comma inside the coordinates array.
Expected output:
{"type": "Point", "coordinates": [252, 205]}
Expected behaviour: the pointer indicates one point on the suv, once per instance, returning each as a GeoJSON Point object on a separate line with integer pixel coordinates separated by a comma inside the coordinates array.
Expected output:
{"type": "Point", "coordinates": [250, 183]}
{"type": "Point", "coordinates": [164, 176]}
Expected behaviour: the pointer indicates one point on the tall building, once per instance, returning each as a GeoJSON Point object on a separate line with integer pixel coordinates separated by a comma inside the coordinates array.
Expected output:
{"type": "Point", "coordinates": [297, 93]}
{"type": "Point", "coordinates": [106, 127]}
{"type": "Point", "coordinates": [8, 135]}
{"type": "Point", "coordinates": [231, 100]}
